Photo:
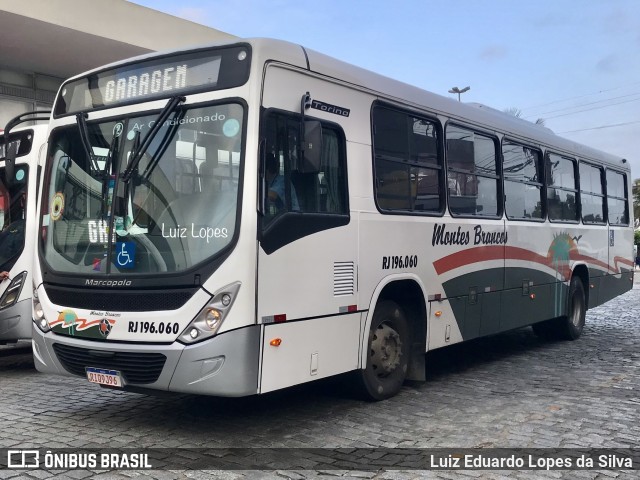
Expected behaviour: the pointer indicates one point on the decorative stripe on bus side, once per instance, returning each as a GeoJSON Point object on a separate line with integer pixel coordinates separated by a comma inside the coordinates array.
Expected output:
{"type": "Point", "coordinates": [484, 254]}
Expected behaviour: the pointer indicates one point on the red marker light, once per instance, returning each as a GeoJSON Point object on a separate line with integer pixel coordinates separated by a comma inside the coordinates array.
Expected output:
{"type": "Point", "coordinates": [280, 318]}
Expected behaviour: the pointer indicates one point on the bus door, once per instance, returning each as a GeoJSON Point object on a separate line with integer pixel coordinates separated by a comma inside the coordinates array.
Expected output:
{"type": "Point", "coordinates": [307, 260]}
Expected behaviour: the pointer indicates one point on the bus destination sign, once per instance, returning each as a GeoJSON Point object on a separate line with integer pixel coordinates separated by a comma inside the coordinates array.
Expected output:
{"type": "Point", "coordinates": [140, 85]}
{"type": "Point", "coordinates": [155, 78]}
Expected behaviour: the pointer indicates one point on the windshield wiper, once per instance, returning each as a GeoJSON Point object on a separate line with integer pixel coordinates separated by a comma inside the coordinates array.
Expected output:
{"type": "Point", "coordinates": [113, 148]}
{"type": "Point", "coordinates": [162, 147]}
{"type": "Point", "coordinates": [81, 120]}
{"type": "Point", "coordinates": [136, 153]}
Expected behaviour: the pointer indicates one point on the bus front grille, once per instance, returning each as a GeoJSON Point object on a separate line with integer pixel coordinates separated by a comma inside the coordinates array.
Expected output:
{"type": "Point", "coordinates": [119, 300]}
{"type": "Point", "coordinates": [139, 368]}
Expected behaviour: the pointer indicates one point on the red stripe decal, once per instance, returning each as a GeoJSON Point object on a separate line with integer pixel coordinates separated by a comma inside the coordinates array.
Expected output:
{"type": "Point", "coordinates": [488, 253]}
{"type": "Point", "coordinates": [468, 256]}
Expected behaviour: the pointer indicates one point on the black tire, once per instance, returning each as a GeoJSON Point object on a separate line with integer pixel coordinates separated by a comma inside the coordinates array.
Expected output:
{"type": "Point", "coordinates": [570, 326]}
{"type": "Point", "coordinates": [388, 353]}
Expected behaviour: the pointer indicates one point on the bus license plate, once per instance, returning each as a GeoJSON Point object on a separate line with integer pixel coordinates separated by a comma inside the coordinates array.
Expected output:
{"type": "Point", "coordinates": [110, 378]}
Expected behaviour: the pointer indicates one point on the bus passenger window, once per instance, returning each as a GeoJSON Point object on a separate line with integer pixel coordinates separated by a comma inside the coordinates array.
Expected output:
{"type": "Point", "coordinates": [591, 193]}
{"type": "Point", "coordinates": [617, 198]}
{"type": "Point", "coordinates": [523, 189]}
{"type": "Point", "coordinates": [562, 191]}
{"type": "Point", "coordinates": [408, 162]}
{"type": "Point", "coordinates": [472, 173]}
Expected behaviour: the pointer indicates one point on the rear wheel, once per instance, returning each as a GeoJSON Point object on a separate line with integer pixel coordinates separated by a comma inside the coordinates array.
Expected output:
{"type": "Point", "coordinates": [388, 353]}
{"type": "Point", "coordinates": [573, 324]}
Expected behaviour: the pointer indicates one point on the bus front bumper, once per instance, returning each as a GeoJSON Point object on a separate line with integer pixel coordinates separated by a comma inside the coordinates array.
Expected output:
{"type": "Point", "coordinates": [15, 321]}
{"type": "Point", "coordinates": [225, 365]}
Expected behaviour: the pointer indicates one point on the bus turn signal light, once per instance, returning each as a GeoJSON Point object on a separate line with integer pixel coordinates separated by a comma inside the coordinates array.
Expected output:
{"type": "Point", "coordinates": [438, 313]}
{"type": "Point", "coordinates": [275, 342]}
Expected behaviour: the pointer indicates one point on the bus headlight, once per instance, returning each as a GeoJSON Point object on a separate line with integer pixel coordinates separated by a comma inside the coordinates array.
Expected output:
{"type": "Point", "coordinates": [38, 313]}
{"type": "Point", "coordinates": [208, 321]}
{"type": "Point", "coordinates": [213, 318]}
{"type": "Point", "coordinates": [12, 293]}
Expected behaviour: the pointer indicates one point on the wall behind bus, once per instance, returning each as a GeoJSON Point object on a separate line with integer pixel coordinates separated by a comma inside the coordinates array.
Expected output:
{"type": "Point", "coordinates": [47, 41]}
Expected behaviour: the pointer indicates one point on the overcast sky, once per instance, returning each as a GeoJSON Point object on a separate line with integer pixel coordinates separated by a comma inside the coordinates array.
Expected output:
{"type": "Point", "coordinates": [574, 63]}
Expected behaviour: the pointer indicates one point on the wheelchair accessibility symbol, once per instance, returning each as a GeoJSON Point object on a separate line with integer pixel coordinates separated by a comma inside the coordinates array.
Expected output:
{"type": "Point", "coordinates": [125, 254]}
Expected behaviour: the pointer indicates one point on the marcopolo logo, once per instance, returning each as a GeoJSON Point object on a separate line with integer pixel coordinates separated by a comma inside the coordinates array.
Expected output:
{"type": "Point", "coordinates": [107, 283]}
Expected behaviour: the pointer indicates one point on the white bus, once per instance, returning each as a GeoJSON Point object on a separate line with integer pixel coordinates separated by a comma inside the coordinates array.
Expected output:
{"type": "Point", "coordinates": [19, 152]}
{"type": "Point", "coordinates": [242, 218]}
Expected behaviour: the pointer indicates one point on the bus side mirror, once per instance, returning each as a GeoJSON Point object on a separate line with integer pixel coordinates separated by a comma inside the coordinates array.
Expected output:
{"type": "Point", "coordinates": [10, 161]}
{"type": "Point", "coordinates": [312, 157]}
{"type": "Point", "coordinates": [311, 133]}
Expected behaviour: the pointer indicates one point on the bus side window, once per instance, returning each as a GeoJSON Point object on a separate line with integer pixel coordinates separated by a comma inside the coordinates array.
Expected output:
{"type": "Point", "coordinates": [522, 169]}
{"type": "Point", "coordinates": [472, 173]}
{"type": "Point", "coordinates": [562, 191]}
{"type": "Point", "coordinates": [288, 188]}
{"type": "Point", "coordinates": [592, 193]}
{"type": "Point", "coordinates": [617, 198]}
{"type": "Point", "coordinates": [407, 162]}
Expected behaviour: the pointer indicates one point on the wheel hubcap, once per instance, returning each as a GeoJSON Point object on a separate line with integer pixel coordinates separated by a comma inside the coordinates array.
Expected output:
{"type": "Point", "coordinates": [386, 350]}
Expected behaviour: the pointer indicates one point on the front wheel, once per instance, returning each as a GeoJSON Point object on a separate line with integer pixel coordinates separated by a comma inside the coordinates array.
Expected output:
{"type": "Point", "coordinates": [388, 353]}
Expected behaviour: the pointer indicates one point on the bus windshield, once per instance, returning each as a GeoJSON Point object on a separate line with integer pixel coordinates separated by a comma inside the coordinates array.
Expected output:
{"type": "Point", "coordinates": [177, 208]}
{"type": "Point", "coordinates": [12, 215]}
